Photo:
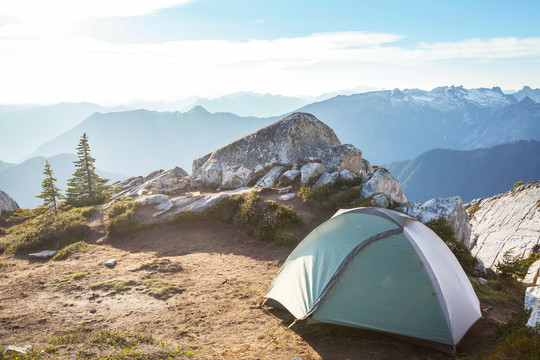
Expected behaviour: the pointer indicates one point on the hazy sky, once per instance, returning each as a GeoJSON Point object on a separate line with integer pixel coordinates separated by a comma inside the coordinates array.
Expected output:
{"type": "Point", "coordinates": [114, 51]}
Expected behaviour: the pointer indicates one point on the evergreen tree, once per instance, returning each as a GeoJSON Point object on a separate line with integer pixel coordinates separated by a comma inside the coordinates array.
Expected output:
{"type": "Point", "coordinates": [85, 187]}
{"type": "Point", "coordinates": [50, 193]}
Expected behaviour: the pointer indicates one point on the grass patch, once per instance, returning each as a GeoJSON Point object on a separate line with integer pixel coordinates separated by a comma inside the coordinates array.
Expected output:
{"type": "Point", "coordinates": [130, 339]}
{"type": "Point", "coordinates": [36, 354]}
{"type": "Point", "coordinates": [116, 285]}
{"type": "Point", "coordinates": [513, 340]}
{"type": "Point", "coordinates": [161, 265]}
{"type": "Point", "coordinates": [122, 217]}
{"type": "Point", "coordinates": [67, 251]}
{"type": "Point", "coordinates": [67, 279]}
{"type": "Point", "coordinates": [516, 185]}
{"type": "Point", "coordinates": [263, 219]}
{"type": "Point", "coordinates": [160, 289]}
{"type": "Point", "coordinates": [5, 266]}
{"type": "Point", "coordinates": [47, 231]}
{"type": "Point", "coordinates": [502, 291]}
{"type": "Point", "coordinates": [441, 227]}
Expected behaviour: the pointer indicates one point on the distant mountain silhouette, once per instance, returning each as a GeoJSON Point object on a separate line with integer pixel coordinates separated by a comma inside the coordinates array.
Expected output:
{"type": "Point", "coordinates": [5, 165]}
{"type": "Point", "coordinates": [252, 104]}
{"type": "Point", "coordinates": [470, 174]}
{"type": "Point", "coordinates": [23, 181]}
{"type": "Point", "coordinates": [23, 130]}
{"type": "Point", "coordinates": [533, 94]}
{"type": "Point", "coordinates": [138, 142]}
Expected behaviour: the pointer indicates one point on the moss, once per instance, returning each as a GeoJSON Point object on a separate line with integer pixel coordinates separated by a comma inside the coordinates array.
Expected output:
{"type": "Point", "coordinates": [161, 265]}
{"type": "Point", "coordinates": [473, 209]}
{"type": "Point", "coordinates": [47, 231]}
{"type": "Point", "coordinates": [10, 218]}
{"type": "Point", "coordinates": [122, 217]}
{"type": "Point", "coordinates": [116, 285]}
{"type": "Point", "coordinates": [160, 289]}
{"type": "Point", "coordinates": [67, 279]}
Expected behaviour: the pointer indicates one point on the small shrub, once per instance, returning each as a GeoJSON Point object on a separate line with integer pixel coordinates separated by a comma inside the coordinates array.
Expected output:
{"type": "Point", "coordinates": [473, 209]}
{"type": "Point", "coordinates": [343, 199]}
{"type": "Point", "coordinates": [441, 227]}
{"type": "Point", "coordinates": [47, 230]}
{"type": "Point", "coordinates": [122, 217]}
{"type": "Point", "coordinates": [67, 251]}
{"type": "Point", "coordinates": [317, 195]}
{"type": "Point", "coordinates": [10, 218]}
{"type": "Point", "coordinates": [516, 185]}
{"type": "Point", "coordinates": [515, 266]}
{"type": "Point", "coordinates": [260, 218]}
{"type": "Point", "coordinates": [124, 340]}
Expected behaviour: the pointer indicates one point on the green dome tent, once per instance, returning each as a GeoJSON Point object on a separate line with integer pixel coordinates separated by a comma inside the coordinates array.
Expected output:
{"type": "Point", "coordinates": [378, 269]}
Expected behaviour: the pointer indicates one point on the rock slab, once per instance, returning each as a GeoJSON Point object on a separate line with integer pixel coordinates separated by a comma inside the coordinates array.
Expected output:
{"type": "Point", "coordinates": [532, 302]}
{"type": "Point", "coordinates": [506, 222]}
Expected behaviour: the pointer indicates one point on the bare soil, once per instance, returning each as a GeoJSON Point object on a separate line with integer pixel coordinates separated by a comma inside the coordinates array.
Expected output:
{"type": "Point", "coordinates": [222, 274]}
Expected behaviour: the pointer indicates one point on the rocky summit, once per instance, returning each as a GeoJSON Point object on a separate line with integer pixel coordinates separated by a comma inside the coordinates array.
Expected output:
{"type": "Point", "coordinates": [7, 203]}
{"type": "Point", "coordinates": [288, 141]}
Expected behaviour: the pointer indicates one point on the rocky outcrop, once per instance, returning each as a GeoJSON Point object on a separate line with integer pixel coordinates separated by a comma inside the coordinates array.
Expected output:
{"type": "Point", "coordinates": [533, 274]}
{"type": "Point", "coordinates": [343, 157]}
{"type": "Point", "coordinates": [382, 181]}
{"type": "Point", "coordinates": [506, 222]}
{"type": "Point", "coordinates": [286, 142]}
{"type": "Point", "coordinates": [7, 203]}
{"type": "Point", "coordinates": [450, 208]}
{"type": "Point", "coordinates": [310, 172]}
{"type": "Point", "coordinates": [157, 182]}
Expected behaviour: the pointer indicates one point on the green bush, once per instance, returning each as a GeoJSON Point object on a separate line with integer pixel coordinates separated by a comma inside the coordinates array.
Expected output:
{"type": "Point", "coordinates": [10, 218]}
{"type": "Point", "coordinates": [332, 197]}
{"type": "Point", "coordinates": [260, 218]}
{"type": "Point", "coordinates": [501, 290]}
{"type": "Point", "coordinates": [441, 227]}
{"type": "Point", "coordinates": [122, 217]}
{"type": "Point", "coordinates": [319, 195]}
{"type": "Point", "coordinates": [47, 231]}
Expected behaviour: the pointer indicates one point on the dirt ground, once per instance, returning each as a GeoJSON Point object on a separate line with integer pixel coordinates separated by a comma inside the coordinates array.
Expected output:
{"type": "Point", "coordinates": [219, 272]}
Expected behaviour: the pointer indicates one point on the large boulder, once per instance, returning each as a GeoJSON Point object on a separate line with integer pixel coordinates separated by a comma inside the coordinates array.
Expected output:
{"type": "Point", "coordinates": [286, 142]}
{"type": "Point", "coordinates": [7, 203]}
{"type": "Point", "coordinates": [382, 181]}
{"type": "Point", "coordinates": [506, 223]}
{"type": "Point", "coordinates": [450, 208]}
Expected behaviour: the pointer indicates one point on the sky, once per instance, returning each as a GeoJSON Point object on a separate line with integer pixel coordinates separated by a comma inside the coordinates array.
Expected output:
{"type": "Point", "coordinates": [111, 52]}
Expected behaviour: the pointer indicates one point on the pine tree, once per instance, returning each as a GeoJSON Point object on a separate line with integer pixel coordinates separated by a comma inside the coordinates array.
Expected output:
{"type": "Point", "coordinates": [85, 187]}
{"type": "Point", "coordinates": [50, 193]}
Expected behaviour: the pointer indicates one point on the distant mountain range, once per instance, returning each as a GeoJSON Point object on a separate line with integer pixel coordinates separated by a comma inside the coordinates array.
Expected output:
{"type": "Point", "coordinates": [393, 125]}
{"type": "Point", "coordinates": [24, 128]}
{"type": "Point", "coordinates": [387, 125]}
{"type": "Point", "coordinates": [140, 141]}
{"type": "Point", "coordinates": [469, 174]}
{"type": "Point", "coordinates": [23, 181]}
{"type": "Point", "coordinates": [533, 94]}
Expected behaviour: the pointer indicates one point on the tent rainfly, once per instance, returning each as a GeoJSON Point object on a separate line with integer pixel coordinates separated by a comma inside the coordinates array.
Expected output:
{"type": "Point", "coordinates": [381, 270]}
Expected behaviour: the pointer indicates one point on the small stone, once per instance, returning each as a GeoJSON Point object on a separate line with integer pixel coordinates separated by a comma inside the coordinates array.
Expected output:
{"type": "Point", "coordinates": [286, 197]}
{"type": "Point", "coordinates": [285, 190]}
{"type": "Point", "coordinates": [45, 254]}
{"type": "Point", "coordinates": [482, 281]}
{"type": "Point", "coordinates": [111, 263]}
{"type": "Point", "coordinates": [18, 349]}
